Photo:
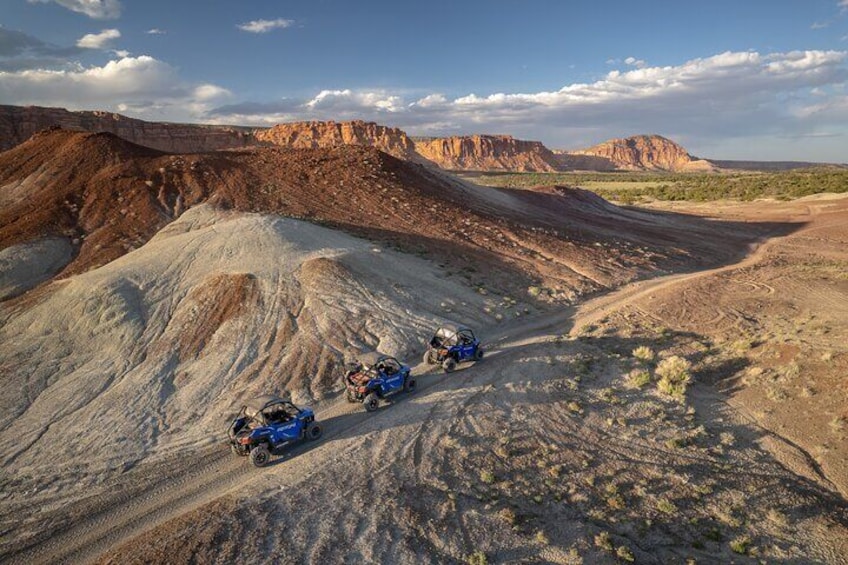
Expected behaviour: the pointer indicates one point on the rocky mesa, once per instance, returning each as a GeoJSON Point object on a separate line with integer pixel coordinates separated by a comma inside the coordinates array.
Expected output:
{"type": "Point", "coordinates": [462, 153]}
{"type": "Point", "coordinates": [315, 135]}
{"type": "Point", "coordinates": [19, 123]}
{"type": "Point", "coordinates": [487, 153]}
{"type": "Point", "coordinates": [636, 153]}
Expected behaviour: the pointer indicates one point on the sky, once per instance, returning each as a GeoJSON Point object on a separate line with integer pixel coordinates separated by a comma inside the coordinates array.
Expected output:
{"type": "Point", "coordinates": [740, 79]}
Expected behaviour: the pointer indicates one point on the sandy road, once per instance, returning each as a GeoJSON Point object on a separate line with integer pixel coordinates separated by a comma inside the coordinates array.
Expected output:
{"type": "Point", "coordinates": [213, 472]}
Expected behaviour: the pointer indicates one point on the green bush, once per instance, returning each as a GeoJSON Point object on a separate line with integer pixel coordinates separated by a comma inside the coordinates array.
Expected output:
{"type": "Point", "coordinates": [625, 554]}
{"type": "Point", "coordinates": [740, 545]}
{"type": "Point", "coordinates": [701, 187]}
{"type": "Point", "coordinates": [674, 376]}
{"type": "Point", "coordinates": [644, 354]}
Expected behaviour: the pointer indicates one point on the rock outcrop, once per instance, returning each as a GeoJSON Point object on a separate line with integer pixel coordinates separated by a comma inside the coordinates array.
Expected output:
{"type": "Point", "coordinates": [462, 153]}
{"type": "Point", "coordinates": [19, 123]}
{"type": "Point", "coordinates": [637, 153]}
{"type": "Point", "coordinates": [487, 153]}
{"type": "Point", "coordinates": [315, 135]}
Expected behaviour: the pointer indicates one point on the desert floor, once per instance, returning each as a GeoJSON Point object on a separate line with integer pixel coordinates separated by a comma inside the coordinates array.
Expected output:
{"type": "Point", "coordinates": [554, 448]}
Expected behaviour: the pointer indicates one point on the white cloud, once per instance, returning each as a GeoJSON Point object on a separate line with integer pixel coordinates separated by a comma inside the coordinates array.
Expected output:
{"type": "Point", "coordinates": [122, 53]}
{"type": "Point", "coordinates": [634, 62]}
{"type": "Point", "coordinates": [346, 102]}
{"type": "Point", "coordinates": [728, 95]}
{"type": "Point", "coordinates": [155, 31]}
{"type": "Point", "coordinates": [264, 26]}
{"type": "Point", "coordinates": [98, 40]}
{"type": "Point", "coordinates": [97, 9]}
{"type": "Point", "coordinates": [432, 101]}
{"type": "Point", "coordinates": [819, 25]}
{"type": "Point", "coordinates": [211, 92]}
{"type": "Point", "coordinates": [143, 86]}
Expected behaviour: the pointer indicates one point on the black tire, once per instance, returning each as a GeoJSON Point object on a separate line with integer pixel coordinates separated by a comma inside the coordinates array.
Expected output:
{"type": "Point", "coordinates": [409, 385]}
{"type": "Point", "coordinates": [478, 354]}
{"type": "Point", "coordinates": [234, 448]}
{"type": "Point", "coordinates": [260, 455]}
{"type": "Point", "coordinates": [449, 365]}
{"type": "Point", "coordinates": [314, 431]}
{"type": "Point", "coordinates": [349, 395]}
{"type": "Point", "coordinates": [429, 358]}
{"type": "Point", "coordinates": [371, 402]}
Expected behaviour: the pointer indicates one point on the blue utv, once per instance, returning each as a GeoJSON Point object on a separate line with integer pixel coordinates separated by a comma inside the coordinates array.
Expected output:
{"type": "Point", "coordinates": [266, 424]}
{"type": "Point", "coordinates": [375, 376]}
{"type": "Point", "coordinates": [451, 345]}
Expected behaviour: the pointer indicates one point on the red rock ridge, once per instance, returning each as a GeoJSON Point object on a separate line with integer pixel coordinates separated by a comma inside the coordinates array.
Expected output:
{"type": "Point", "coordinates": [314, 135]}
{"type": "Point", "coordinates": [637, 153]}
{"type": "Point", "coordinates": [19, 123]}
{"type": "Point", "coordinates": [487, 153]}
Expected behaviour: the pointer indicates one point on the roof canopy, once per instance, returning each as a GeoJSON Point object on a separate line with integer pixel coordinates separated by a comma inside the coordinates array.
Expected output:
{"type": "Point", "coordinates": [449, 331]}
{"type": "Point", "coordinates": [371, 358]}
{"type": "Point", "coordinates": [255, 405]}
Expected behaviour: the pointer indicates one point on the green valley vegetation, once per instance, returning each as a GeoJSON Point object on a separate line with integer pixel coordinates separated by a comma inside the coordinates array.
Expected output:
{"type": "Point", "coordinates": [633, 187]}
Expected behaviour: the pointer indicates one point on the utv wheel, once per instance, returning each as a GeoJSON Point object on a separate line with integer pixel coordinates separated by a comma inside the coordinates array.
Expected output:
{"type": "Point", "coordinates": [371, 402]}
{"type": "Point", "coordinates": [478, 354]}
{"type": "Point", "coordinates": [260, 455]}
{"type": "Point", "coordinates": [409, 384]}
{"type": "Point", "coordinates": [428, 358]}
{"type": "Point", "coordinates": [234, 449]}
{"type": "Point", "coordinates": [449, 365]}
{"type": "Point", "coordinates": [350, 396]}
{"type": "Point", "coordinates": [314, 431]}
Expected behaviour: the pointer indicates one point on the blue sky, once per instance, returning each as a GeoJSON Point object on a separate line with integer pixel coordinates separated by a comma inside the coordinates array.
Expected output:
{"type": "Point", "coordinates": [727, 79]}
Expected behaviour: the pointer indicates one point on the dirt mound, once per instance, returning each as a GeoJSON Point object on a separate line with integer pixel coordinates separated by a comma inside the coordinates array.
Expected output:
{"type": "Point", "coordinates": [108, 196]}
{"type": "Point", "coordinates": [165, 342]}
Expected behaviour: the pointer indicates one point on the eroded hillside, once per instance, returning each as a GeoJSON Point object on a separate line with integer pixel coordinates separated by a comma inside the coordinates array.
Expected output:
{"type": "Point", "coordinates": [106, 197]}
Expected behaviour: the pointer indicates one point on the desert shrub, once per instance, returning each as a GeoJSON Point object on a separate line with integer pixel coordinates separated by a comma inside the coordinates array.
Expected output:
{"type": "Point", "coordinates": [701, 187]}
{"type": "Point", "coordinates": [740, 545]}
{"type": "Point", "coordinates": [644, 354]}
{"type": "Point", "coordinates": [542, 538]}
{"type": "Point", "coordinates": [477, 558]}
{"type": "Point", "coordinates": [508, 516]}
{"type": "Point", "coordinates": [713, 534]}
{"type": "Point", "coordinates": [624, 553]}
{"type": "Point", "coordinates": [616, 502]}
{"type": "Point", "coordinates": [502, 451]}
{"type": "Point", "coordinates": [487, 476]}
{"type": "Point", "coordinates": [604, 541]}
{"type": "Point", "coordinates": [638, 378]}
{"type": "Point", "coordinates": [674, 376]}
{"type": "Point", "coordinates": [666, 506]}
{"type": "Point", "coordinates": [777, 517]}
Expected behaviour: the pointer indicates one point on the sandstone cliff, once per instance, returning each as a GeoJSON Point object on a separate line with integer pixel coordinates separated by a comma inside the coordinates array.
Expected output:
{"type": "Point", "coordinates": [470, 153]}
{"type": "Point", "coordinates": [313, 135]}
{"type": "Point", "coordinates": [18, 123]}
{"type": "Point", "coordinates": [487, 153]}
{"type": "Point", "coordinates": [640, 152]}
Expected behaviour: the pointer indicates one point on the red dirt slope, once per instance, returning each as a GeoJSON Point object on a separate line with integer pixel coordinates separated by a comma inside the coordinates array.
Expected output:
{"type": "Point", "coordinates": [109, 196]}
